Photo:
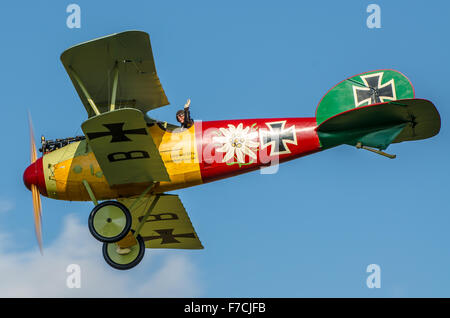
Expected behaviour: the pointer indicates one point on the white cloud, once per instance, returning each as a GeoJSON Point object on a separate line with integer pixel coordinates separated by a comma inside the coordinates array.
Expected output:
{"type": "Point", "coordinates": [28, 274]}
{"type": "Point", "coordinates": [6, 205]}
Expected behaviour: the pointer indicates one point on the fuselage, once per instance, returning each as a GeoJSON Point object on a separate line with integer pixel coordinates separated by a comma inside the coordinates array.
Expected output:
{"type": "Point", "coordinates": [205, 152]}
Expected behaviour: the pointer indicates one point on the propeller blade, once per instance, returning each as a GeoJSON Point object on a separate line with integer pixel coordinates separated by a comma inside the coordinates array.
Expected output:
{"type": "Point", "coordinates": [32, 143]}
{"type": "Point", "coordinates": [37, 215]}
{"type": "Point", "coordinates": [37, 208]}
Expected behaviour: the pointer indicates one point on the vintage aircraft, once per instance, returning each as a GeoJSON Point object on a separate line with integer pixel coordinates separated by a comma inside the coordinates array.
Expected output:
{"type": "Point", "coordinates": [128, 160]}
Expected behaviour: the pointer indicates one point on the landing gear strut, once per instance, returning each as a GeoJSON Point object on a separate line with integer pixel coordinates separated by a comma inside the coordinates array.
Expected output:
{"type": "Point", "coordinates": [124, 258]}
{"type": "Point", "coordinates": [110, 223]}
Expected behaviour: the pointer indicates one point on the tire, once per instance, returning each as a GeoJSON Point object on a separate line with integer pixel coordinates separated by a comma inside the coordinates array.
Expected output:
{"type": "Point", "coordinates": [109, 221]}
{"type": "Point", "coordinates": [124, 262]}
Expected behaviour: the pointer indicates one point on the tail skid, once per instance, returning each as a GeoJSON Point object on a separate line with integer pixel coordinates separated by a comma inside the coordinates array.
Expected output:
{"type": "Point", "coordinates": [359, 145]}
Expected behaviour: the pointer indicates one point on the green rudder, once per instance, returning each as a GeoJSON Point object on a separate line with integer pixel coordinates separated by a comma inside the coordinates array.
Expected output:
{"type": "Point", "coordinates": [364, 89]}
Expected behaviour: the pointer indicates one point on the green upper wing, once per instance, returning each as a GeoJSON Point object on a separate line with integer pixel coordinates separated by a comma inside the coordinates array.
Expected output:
{"type": "Point", "coordinates": [123, 147]}
{"type": "Point", "coordinates": [117, 69]}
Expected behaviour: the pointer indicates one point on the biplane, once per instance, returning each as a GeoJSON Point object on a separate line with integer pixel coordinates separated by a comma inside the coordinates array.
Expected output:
{"type": "Point", "coordinates": [127, 161]}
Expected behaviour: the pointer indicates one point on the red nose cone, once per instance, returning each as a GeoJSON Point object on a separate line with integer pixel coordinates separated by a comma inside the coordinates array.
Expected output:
{"type": "Point", "coordinates": [34, 174]}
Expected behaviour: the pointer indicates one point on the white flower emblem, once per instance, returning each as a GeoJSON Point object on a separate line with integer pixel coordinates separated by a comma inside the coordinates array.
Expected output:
{"type": "Point", "coordinates": [237, 142]}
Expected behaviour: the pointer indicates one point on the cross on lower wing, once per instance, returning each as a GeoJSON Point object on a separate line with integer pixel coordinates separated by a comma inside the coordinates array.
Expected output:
{"type": "Point", "coordinates": [168, 225]}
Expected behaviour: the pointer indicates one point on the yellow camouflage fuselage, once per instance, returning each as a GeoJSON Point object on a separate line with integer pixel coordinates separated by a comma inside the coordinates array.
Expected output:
{"type": "Point", "coordinates": [66, 168]}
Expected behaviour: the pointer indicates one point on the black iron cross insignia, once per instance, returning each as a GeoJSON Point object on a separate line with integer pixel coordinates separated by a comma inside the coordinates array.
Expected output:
{"type": "Point", "coordinates": [167, 236]}
{"type": "Point", "coordinates": [117, 133]}
{"type": "Point", "coordinates": [278, 137]}
{"type": "Point", "coordinates": [374, 92]}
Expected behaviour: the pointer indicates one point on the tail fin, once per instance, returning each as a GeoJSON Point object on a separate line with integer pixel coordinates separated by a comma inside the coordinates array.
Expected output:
{"type": "Point", "coordinates": [364, 89]}
{"type": "Point", "coordinates": [379, 125]}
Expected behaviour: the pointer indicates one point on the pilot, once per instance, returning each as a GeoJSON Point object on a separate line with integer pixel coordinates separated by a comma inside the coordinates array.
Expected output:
{"type": "Point", "coordinates": [184, 116]}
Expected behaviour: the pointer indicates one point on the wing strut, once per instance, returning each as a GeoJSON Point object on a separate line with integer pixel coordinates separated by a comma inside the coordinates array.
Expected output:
{"type": "Point", "coordinates": [147, 214]}
{"type": "Point", "coordinates": [85, 92]}
{"type": "Point", "coordinates": [131, 239]}
{"type": "Point", "coordinates": [88, 96]}
{"type": "Point", "coordinates": [114, 88]}
{"type": "Point", "coordinates": [90, 192]}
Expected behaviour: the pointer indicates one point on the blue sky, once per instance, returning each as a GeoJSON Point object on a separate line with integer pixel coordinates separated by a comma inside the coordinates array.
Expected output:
{"type": "Point", "coordinates": [309, 230]}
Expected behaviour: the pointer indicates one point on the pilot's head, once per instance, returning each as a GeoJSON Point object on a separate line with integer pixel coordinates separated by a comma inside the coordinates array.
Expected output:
{"type": "Point", "coordinates": [180, 116]}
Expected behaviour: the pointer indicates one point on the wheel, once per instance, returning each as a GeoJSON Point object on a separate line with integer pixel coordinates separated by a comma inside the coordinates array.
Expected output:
{"type": "Point", "coordinates": [109, 221]}
{"type": "Point", "coordinates": [124, 261]}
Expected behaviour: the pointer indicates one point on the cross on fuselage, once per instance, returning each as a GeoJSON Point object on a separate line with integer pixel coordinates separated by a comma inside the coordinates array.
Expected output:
{"type": "Point", "coordinates": [278, 137]}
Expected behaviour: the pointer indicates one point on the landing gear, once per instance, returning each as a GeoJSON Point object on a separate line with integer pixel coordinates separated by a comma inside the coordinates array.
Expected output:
{"type": "Point", "coordinates": [124, 258]}
{"type": "Point", "coordinates": [109, 221]}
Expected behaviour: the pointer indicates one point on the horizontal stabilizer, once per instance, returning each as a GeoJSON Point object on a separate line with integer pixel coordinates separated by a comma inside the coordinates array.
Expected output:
{"type": "Point", "coordinates": [381, 124]}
